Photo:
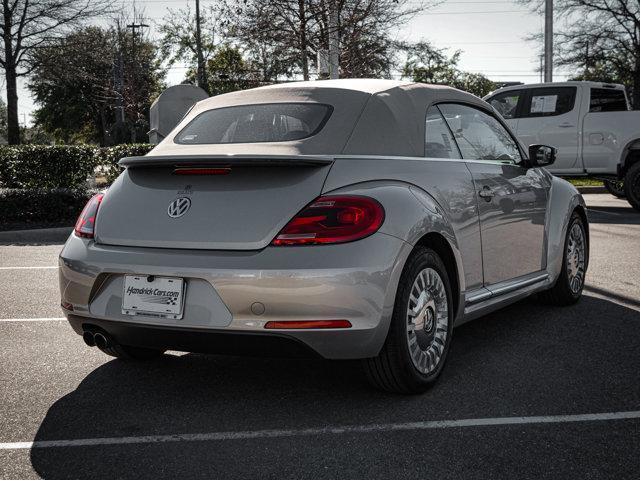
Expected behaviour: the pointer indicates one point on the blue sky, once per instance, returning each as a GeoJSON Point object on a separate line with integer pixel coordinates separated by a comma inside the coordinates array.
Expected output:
{"type": "Point", "coordinates": [491, 34]}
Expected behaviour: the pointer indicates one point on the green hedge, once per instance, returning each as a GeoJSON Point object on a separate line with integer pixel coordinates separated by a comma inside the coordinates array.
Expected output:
{"type": "Point", "coordinates": [109, 156]}
{"type": "Point", "coordinates": [67, 167]}
{"type": "Point", "coordinates": [39, 166]}
{"type": "Point", "coordinates": [38, 206]}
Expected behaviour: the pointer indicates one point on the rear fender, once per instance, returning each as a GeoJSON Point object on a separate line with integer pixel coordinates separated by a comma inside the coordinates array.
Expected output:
{"type": "Point", "coordinates": [630, 155]}
{"type": "Point", "coordinates": [410, 214]}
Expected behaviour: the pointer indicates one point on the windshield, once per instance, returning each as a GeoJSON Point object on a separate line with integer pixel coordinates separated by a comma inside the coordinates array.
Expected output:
{"type": "Point", "coordinates": [271, 122]}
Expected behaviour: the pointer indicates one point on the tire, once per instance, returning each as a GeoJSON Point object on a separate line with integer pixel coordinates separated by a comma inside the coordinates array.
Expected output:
{"type": "Point", "coordinates": [615, 188]}
{"type": "Point", "coordinates": [125, 352]}
{"type": "Point", "coordinates": [395, 368]}
{"type": "Point", "coordinates": [567, 289]}
{"type": "Point", "coordinates": [632, 185]}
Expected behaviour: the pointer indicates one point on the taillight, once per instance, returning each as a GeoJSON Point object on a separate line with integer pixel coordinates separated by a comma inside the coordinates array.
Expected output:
{"type": "Point", "coordinates": [86, 223]}
{"type": "Point", "coordinates": [333, 219]}
{"type": "Point", "coordinates": [202, 171]}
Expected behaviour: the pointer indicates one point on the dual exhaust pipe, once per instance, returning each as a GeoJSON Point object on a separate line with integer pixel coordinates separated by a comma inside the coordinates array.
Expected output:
{"type": "Point", "coordinates": [96, 339]}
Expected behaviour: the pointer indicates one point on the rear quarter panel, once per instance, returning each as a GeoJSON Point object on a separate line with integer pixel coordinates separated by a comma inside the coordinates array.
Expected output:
{"type": "Point", "coordinates": [420, 196]}
{"type": "Point", "coordinates": [606, 139]}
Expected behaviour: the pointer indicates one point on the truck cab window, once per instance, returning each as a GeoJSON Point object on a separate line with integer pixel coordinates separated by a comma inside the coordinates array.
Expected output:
{"type": "Point", "coordinates": [607, 100]}
{"type": "Point", "coordinates": [506, 103]}
{"type": "Point", "coordinates": [550, 101]}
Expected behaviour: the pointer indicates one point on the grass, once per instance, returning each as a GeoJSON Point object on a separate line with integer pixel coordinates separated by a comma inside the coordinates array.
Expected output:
{"type": "Point", "coordinates": [584, 182]}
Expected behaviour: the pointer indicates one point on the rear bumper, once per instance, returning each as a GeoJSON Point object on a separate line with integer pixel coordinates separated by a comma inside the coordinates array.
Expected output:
{"type": "Point", "coordinates": [195, 340]}
{"type": "Point", "coordinates": [355, 281]}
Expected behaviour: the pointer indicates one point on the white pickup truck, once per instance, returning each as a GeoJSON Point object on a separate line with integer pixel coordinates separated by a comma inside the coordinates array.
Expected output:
{"type": "Point", "coordinates": [588, 122]}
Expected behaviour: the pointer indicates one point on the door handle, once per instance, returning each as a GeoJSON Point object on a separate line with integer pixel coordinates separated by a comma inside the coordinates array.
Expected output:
{"type": "Point", "coordinates": [486, 193]}
{"type": "Point", "coordinates": [566, 125]}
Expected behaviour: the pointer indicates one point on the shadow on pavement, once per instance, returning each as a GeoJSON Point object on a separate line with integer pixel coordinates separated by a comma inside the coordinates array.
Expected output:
{"type": "Point", "coordinates": [613, 215]}
{"type": "Point", "coordinates": [527, 359]}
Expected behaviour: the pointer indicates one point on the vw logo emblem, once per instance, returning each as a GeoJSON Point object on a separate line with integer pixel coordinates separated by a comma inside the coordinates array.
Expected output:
{"type": "Point", "coordinates": [179, 207]}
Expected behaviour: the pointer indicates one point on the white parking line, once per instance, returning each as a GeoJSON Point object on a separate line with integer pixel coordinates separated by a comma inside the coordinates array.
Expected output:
{"type": "Point", "coordinates": [42, 319]}
{"type": "Point", "coordinates": [335, 430]}
{"type": "Point", "coordinates": [29, 268]}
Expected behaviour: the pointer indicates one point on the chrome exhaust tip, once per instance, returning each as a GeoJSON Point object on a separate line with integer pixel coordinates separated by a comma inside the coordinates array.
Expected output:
{"type": "Point", "coordinates": [89, 339]}
{"type": "Point", "coordinates": [101, 340]}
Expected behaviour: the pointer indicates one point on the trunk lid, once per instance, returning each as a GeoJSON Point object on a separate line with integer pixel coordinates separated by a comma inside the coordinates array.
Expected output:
{"type": "Point", "coordinates": [241, 210]}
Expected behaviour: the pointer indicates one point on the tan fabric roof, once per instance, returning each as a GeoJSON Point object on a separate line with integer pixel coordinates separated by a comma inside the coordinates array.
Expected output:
{"type": "Point", "coordinates": [370, 117]}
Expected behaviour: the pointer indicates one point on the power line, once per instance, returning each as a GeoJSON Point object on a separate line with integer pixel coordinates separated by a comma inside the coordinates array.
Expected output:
{"type": "Point", "coordinates": [471, 13]}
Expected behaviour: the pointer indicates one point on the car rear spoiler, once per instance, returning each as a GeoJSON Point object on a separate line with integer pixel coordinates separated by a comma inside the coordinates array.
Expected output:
{"type": "Point", "coordinates": [227, 160]}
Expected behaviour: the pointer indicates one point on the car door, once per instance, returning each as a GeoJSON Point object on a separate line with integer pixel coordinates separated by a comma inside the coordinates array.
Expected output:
{"type": "Point", "coordinates": [550, 116]}
{"type": "Point", "coordinates": [511, 199]}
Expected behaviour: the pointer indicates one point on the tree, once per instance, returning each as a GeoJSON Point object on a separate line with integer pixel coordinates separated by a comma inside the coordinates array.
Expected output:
{"type": "Point", "coordinates": [599, 40]}
{"type": "Point", "coordinates": [73, 86]}
{"type": "Point", "coordinates": [76, 85]}
{"type": "Point", "coordinates": [367, 33]}
{"type": "Point", "coordinates": [428, 64]}
{"type": "Point", "coordinates": [179, 42]}
{"type": "Point", "coordinates": [296, 30]}
{"type": "Point", "coordinates": [273, 35]}
{"type": "Point", "coordinates": [3, 119]}
{"type": "Point", "coordinates": [141, 79]}
{"type": "Point", "coordinates": [227, 71]}
{"type": "Point", "coordinates": [27, 26]}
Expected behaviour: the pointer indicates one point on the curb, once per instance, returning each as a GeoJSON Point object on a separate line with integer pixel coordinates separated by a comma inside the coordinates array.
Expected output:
{"type": "Point", "coordinates": [37, 235]}
{"type": "Point", "coordinates": [592, 190]}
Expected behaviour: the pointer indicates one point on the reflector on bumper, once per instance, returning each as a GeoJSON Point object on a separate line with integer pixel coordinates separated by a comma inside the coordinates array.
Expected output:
{"type": "Point", "coordinates": [303, 324]}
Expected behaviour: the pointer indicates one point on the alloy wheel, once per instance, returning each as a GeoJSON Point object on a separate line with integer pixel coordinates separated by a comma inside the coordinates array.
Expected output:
{"type": "Point", "coordinates": [427, 320]}
{"type": "Point", "coordinates": [576, 258]}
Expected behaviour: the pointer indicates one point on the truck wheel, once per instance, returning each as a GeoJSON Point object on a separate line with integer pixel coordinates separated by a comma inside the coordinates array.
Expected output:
{"type": "Point", "coordinates": [632, 185]}
{"type": "Point", "coordinates": [615, 188]}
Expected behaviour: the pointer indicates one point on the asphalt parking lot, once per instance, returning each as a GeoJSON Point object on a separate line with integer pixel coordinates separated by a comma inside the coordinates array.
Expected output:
{"type": "Point", "coordinates": [529, 392]}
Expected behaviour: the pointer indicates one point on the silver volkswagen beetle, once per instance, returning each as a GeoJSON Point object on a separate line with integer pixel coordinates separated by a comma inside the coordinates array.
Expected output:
{"type": "Point", "coordinates": [350, 219]}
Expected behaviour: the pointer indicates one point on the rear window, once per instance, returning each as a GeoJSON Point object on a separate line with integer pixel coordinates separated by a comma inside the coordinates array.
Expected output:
{"type": "Point", "coordinates": [607, 100]}
{"type": "Point", "coordinates": [268, 122]}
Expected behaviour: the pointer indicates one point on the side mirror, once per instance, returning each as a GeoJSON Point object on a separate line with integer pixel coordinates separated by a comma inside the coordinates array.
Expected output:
{"type": "Point", "coordinates": [542, 155]}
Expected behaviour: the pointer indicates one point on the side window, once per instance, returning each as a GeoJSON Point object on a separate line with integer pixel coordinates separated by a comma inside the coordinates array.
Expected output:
{"type": "Point", "coordinates": [607, 100]}
{"type": "Point", "coordinates": [479, 135]}
{"type": "Point", "coordinates": [506, 103]}
{"type": "Point", "coordinates": [546, 102]}
{"type": "Point", "coordinates": [438, 142]}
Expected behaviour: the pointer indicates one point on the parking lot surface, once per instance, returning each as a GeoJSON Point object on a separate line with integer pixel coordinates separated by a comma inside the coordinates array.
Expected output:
{"type": "Point", "coordinates": [531, 391]}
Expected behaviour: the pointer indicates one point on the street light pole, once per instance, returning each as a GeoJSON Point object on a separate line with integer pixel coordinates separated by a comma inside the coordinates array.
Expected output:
{"type": "Point", "coordinates": [202, 78]}
{"type": "Point", "coordinates": [548, 41]}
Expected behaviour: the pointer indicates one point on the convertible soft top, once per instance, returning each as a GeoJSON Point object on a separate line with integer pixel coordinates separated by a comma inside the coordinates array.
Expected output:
{"type": "Point", "coordinates": [370, 117]}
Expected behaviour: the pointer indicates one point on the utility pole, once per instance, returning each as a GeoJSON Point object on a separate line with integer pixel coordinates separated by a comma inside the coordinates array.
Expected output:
{"type": "Point", "coordinates": [134, 31]}
{"type": "Point", "coordinates": [586, 62]}
{"type": "Point", "coordinates": [119, 87]}
{"type": "Point", "coordinates": [201, 74]}
{"type": "Point", "coordinates": [548, 41]}
{"type": "Point", "coordinates": [541, 68]}
{"type": "Point", "coordinates": [334, 40]}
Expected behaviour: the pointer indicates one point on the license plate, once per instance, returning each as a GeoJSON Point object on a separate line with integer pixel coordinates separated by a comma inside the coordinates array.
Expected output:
{"type": "Point", "coordinates": [152, 296]}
